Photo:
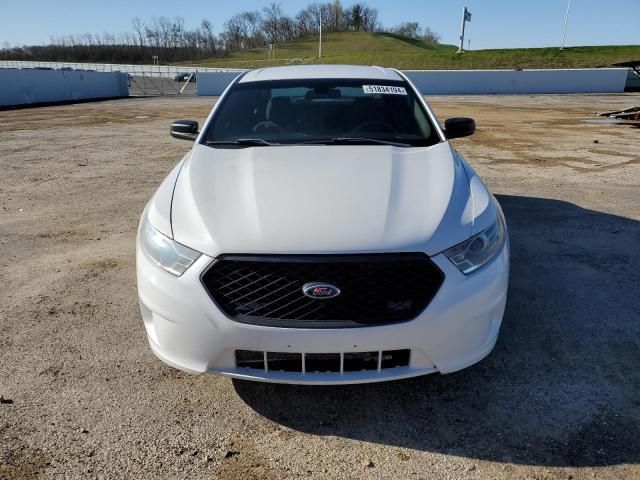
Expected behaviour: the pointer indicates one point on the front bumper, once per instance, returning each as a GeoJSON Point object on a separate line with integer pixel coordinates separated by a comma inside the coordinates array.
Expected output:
{"type": "Point", "coordinates": [458, 328]}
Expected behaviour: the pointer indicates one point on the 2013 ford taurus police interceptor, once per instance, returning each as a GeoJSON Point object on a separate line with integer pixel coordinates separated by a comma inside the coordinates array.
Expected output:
{"type": "Point", "coordinates": [322, 230]}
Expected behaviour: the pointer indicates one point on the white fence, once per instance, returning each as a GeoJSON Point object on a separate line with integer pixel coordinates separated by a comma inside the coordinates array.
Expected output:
{"type": "Point", "coordinates": [28, 86]}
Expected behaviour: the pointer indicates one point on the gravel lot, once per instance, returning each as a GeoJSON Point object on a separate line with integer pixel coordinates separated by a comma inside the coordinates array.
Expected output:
{"type": "Point", "coordinates": [84, 397]}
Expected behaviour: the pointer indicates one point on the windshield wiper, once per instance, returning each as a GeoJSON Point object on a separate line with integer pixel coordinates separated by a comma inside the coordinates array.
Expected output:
{"type": "Point", "coordinates": [240, 142]}
{"type": "Point", "coordinates": [356, 141]}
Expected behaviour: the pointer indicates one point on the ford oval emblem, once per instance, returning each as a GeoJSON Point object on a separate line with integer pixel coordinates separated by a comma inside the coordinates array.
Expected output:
{"type": "Point", "coordinates": [320, 291]}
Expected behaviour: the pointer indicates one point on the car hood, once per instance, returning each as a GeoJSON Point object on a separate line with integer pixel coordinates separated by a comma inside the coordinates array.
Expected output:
{"type": "Point", "coordinates": [322, 199]}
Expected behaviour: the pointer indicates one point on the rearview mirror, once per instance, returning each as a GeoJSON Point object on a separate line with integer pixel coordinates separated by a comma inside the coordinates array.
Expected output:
{"type": "Point", "coordinates": [184, 129]}
{"type": "Point", "coordinates": [459, 127]}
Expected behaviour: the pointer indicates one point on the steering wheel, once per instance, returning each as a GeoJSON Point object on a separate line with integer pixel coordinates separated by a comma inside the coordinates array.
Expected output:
{"type": "Point", "coordinates": [267, 127]}
{"type": "Point", "coordinates": [385, 127]}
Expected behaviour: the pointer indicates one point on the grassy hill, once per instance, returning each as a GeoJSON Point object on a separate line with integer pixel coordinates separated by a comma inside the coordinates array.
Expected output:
{"type": "Point", "coordinates": [401, 52]}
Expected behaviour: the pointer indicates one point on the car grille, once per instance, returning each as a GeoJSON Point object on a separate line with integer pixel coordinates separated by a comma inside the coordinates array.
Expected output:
{"type": "Point", "coordinates": [374, 289]}
{"type": "Point", "coordinates": [322, 362]}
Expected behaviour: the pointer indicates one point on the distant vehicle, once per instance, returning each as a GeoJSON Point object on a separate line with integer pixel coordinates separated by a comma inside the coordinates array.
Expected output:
{"type": "Point", "coordinates": [66, 69]}
{"type": "Point", "coordinates": [184, 76]}
{"type": "Point", "coordinates": [42, 68]}
{"type": "Point", "coordinates": [322, 230]}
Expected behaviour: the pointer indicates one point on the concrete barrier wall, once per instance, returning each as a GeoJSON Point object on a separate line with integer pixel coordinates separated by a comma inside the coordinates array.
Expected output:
{"type": "Point", "coordinates": [442, 82]}
{"type": "Point", "coordinates": [482, 82]}
{"type": "Point", "coordinates": [633, 81]}
{"type": "Point", "coordinates": [27, 86]}
{"type": "Point", "coordinates": [214, 83]}
{"type": "Point", "coordinates": [147, 70]}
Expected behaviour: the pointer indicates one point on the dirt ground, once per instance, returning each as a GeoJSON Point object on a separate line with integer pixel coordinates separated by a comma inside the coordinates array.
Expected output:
{"type": "Point", "coordinates": [84, 397]}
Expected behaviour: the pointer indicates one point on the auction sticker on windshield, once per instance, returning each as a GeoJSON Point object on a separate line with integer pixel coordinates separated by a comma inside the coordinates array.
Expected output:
{"type": "Point", "coordinates": [384, 89]}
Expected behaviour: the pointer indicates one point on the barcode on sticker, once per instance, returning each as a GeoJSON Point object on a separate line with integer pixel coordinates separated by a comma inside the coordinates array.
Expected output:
{"type": "Point", "coordinates": [384, 89]}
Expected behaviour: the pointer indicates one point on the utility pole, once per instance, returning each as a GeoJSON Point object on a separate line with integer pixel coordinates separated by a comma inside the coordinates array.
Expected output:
{"type": "Point", "coordinates": [566, 20]}
{"type": "Point", "coordinates": [320, 43]}
{"type": "Point", "coordinates": [466, 17]}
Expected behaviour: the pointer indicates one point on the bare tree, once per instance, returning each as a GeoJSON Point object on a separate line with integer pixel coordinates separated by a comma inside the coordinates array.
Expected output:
{"type": "Point", "coordinates": [271, 21]}
{"type": "Point", "coordinates": [208, 36]}
{"type": "Point", "coordinates": [430, 36]}
{"type": "Point", "coordinates": [369, 18]}
{"type": "Point", "coordinates": [138, 28]}
{"type": "Point", "coordinates": [314, 10]}
{"type": "Point", "coordinates": [253, 19]}
{"type": "Point", "coordinates": [408, 29]}
{"type": "Point", "coordinates": [336, 17]}
{"type": "Point", "coordinates": [305, 23]}
{"type": "Point", "coordinates": [172, 40]}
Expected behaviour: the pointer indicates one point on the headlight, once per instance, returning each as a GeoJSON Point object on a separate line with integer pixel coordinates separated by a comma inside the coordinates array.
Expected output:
{"type": "Point", "coordinates": [474, 253]}
{"type": "Point", "coordinates": [171, 256]}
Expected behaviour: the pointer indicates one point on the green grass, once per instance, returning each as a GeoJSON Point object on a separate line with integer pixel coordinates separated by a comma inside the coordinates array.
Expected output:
{"type": "Point", "coordinates": [392, 50]}
{"type": "Point", "coordinates": [416, 42]}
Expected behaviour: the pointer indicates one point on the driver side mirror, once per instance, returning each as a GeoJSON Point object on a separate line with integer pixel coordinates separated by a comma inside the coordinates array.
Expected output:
{"type": "Point", "coordinates": [184, 129]}
{"type": "Point", "coordinates": [459, 127]}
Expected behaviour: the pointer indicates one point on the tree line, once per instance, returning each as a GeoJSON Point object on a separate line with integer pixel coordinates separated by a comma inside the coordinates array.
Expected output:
{"type": "Point", "coordinates": [171, 41]}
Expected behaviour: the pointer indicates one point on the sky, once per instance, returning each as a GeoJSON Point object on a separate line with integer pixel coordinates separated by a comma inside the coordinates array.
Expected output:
{"type": "Point", "coordinates": [495, 23]}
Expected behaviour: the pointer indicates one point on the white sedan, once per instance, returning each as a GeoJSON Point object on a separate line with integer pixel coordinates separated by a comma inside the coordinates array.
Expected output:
{"type": "Point", "coordinates": [322, 230]}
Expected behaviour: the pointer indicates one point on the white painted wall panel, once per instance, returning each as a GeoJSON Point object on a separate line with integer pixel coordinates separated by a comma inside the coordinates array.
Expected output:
{"type": "Point", "coordinates": [482, 82]}
{"type": "Point", "coordinates": [24, 86]}
{"type": "Point", "coordinates": [27, 86]}
{"type": "Point", "coordinates": [214, 83]}
{"type": "Point", "coordinates": [444, 82]}
{"type": "Point", "coordinates": [147, 70]}
{"type": "Point", "coordinates": [633, 81]}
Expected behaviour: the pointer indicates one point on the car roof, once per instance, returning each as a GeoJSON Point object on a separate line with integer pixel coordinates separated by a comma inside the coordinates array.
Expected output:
{"type": "Point", "coordinates": [299, 72]}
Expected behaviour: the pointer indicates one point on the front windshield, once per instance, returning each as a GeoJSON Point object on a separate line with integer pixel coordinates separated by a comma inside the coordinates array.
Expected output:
{"type": "Point", "coordinates": [321, 111]}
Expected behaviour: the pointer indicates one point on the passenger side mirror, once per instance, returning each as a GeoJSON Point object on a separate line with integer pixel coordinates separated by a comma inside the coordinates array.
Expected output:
{"type": "Point", "coordinates": [184, 129]}
{"type": "Point", "coordinates": [459, 127]}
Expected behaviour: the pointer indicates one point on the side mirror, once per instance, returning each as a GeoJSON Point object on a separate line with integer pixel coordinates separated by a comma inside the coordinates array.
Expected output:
{"type": "Point", "coordinates": [184, 129]}
{"type": "Point", "coordinates": [459, 127]}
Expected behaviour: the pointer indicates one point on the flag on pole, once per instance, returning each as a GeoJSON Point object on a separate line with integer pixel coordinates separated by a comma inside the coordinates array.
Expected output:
{"type": "Point", "coordinates": [467, 15]}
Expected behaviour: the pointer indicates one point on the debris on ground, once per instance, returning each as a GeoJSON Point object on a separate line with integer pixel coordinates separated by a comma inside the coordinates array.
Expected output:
{"type": "Point", "coordinates": [631, 114]}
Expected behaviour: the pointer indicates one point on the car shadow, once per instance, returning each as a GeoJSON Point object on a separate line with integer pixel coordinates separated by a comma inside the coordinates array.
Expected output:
{"type": "Point", "coordinates": [562, 386]}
